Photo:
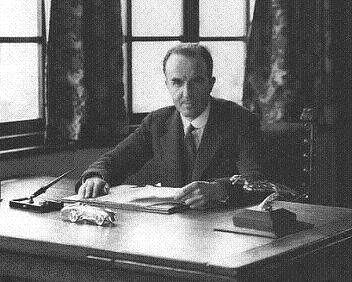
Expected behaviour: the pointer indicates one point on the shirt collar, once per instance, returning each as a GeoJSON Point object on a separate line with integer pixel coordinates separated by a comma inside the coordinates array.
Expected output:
{"type": "Point", "coordinates": [200, 121]}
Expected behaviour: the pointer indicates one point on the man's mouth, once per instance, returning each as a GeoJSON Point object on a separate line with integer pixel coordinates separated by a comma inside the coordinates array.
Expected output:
{"type": "Point", "coordinates": [187, 103]}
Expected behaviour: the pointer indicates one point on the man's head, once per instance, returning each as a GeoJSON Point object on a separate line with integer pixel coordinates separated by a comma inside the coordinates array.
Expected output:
{"type": "Point", "coordinates": [188, 71]}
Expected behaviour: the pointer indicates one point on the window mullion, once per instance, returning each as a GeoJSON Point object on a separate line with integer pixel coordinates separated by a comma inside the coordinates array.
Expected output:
{"type": "Point", "coordinates": [247, 14]}
{"type": "Point", "coordinates": [32, 39]}
{"type": "Point", "coordinates": [42, 64]}
{"type": "Point", "coordinates": [128, 40]}
{"type": "Point", "coordinates": [191, 21]}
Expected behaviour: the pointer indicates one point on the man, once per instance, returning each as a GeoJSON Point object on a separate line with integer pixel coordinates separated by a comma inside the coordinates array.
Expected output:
{"type": "Point", "coordinates": [225, 139]}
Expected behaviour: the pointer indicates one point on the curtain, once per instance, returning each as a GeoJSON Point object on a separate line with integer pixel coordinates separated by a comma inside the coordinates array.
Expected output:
{"type": "Point", "coordinates": [266, 87]}
{"type": "Point", "coordinates": [311, 45]}
{"type": "Point", "coordinates": [288, 65]}
{"type": "Point", "coordinates": [84, 71]}
{"type": "Point", "coordinates": [296, 58]}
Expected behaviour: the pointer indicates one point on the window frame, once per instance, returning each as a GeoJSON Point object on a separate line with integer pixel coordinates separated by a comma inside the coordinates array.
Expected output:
{"type": "Point", "coordinates": [28, 134]}
{"type": "Point", "coordinates": [190, 34]}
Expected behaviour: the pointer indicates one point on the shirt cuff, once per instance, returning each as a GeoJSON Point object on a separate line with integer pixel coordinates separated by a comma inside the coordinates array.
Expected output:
{"type": "Point", "coordinates": [234, 192]}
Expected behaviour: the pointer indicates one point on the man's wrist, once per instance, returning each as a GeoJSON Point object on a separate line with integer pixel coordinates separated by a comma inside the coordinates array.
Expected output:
{"type": "Point", "coordinates": [233, 191]}
{"type": "Point", "coordinates": [224, 200]}
{"type": "Point", "coordinates": [223, 195]}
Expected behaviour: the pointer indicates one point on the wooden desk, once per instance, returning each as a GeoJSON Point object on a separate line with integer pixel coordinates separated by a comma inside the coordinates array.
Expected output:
{"type": "Point", "coordinates": [157, 247]}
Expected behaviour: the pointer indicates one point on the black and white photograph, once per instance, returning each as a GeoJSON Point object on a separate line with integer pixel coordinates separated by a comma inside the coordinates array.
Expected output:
{"type": "Point", "coordinates": [175, 140]}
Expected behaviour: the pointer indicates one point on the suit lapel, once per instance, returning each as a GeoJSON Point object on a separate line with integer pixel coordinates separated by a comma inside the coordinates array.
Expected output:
{"type": "Point", "coordinates": [170, 142]}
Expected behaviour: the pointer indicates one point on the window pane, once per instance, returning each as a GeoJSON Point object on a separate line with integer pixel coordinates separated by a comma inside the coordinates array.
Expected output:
{"type": "Point", "coordinates": [148, 81]}
{"type": "Point", "coordinates": [19, 18]}
{"type": "Point", "coordinates": [222, 17]}
{"type": "Point", "coordinates": [19, 82]}
{"type": "Point", "coordinates": [228, 69]}
{"type": "Point", "coordinates": [156, 18]}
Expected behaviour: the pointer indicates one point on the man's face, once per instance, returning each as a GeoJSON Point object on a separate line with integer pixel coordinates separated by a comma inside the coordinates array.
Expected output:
{"type": "Point", "coordinates": [189, 84]}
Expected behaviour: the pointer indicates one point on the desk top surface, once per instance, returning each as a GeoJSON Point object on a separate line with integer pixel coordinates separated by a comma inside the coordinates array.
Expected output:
{"type": "Point", "coordinates": [187, 239]}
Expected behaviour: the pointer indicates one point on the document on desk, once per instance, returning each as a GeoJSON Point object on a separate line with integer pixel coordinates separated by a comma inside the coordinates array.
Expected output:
{"type": "Point", "coordinates": [147, 198]}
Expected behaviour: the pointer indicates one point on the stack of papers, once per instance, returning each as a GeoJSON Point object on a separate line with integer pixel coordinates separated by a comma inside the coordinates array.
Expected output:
{"type": "Point", "coordinates": [148, 198]}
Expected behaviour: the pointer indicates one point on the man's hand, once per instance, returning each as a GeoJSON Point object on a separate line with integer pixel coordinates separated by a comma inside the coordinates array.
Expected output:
{"type": "Point", "coordinates": [93, 187]}
{"type": "Point", "coordinates": [201, 194]}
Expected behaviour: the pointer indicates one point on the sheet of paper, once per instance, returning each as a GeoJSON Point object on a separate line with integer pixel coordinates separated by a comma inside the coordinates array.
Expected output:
{"type": "Point", "coordinates": [138, 195]}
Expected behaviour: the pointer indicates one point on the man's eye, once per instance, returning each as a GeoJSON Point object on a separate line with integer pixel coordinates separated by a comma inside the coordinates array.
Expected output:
{"type": "Point", "coordinates": [177, 82]}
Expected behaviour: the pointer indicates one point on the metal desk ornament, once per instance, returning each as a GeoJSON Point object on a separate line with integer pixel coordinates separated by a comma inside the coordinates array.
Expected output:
{"type": "Point", "coordinates": [28, 203]}
{"type": "Point", "coordinates": [264, 187]}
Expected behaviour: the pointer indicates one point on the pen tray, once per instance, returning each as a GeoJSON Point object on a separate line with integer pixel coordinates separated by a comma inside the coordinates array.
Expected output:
{"type": "Point", "coordinates": [40, 206]}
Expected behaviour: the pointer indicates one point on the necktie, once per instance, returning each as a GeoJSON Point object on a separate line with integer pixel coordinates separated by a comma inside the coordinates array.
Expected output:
{"type": "Point", "coordinates": [190, 152]}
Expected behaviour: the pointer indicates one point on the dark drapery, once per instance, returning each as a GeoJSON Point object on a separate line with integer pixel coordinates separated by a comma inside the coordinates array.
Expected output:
{"type": "Point", "coordinates": [85, 68]}
{"type": "Point", "coordinates": [310, 42]}
{"type": "Point", "coordinates": [288, 64]}
{"type": "Point", "coordinates": [267, 84]}
{"type": "Point", "coordinates": [315, 60]}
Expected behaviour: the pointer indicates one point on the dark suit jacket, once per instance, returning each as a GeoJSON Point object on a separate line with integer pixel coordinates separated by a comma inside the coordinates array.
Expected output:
{"type": "Point", "coordinates": [153, 153]}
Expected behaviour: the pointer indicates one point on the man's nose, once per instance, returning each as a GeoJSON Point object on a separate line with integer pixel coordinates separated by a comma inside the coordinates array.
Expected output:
{"type": "Point", "coordinates": [187, 89]}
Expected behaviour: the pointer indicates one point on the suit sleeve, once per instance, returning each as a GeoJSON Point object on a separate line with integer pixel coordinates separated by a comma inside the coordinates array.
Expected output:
{"type": "Point", "coordinates": [125, 159]}
{"type": "Point", "coordinates": [249, 162]}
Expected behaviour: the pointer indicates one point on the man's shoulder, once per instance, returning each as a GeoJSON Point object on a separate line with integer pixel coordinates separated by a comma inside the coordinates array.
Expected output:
{"type": "Point", "coordinates": [229, 108]}
{"type": "Point", "coordinates": [160, 116]}
{"type": "Point", "coordinates": [165, 111]}
{"type": "Point", "coordinates": [162, 113]}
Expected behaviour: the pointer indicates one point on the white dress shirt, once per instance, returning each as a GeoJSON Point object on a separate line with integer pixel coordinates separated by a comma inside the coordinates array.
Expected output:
{"type": "Point", "coordinates": [198, 123]}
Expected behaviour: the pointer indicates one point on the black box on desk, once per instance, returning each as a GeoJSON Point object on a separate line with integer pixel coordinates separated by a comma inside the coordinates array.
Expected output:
{"type": "Point", "coordinates": [279, 222]}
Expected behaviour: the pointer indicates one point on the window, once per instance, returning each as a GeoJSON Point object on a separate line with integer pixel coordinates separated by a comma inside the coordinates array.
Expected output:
{"type": "Point", "coordinates": [22, 53]}
{"type": "Point", "coordinates": [151, 27]}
